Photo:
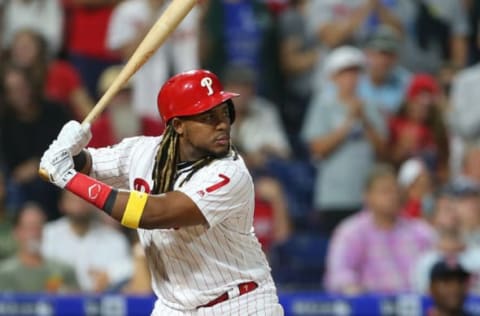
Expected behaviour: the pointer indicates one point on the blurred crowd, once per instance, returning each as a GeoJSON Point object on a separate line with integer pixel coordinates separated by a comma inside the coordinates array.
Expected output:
{"type": "Point", "coordinates": [356, 118]}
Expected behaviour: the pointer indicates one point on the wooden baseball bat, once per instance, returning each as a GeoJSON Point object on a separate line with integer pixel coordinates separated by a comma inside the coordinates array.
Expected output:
{"type": "Point", "coordinates": [176, 11]}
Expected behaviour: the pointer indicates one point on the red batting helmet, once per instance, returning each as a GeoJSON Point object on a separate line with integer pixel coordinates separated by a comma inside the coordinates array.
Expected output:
{"type": "Point", "coordinates": [191, 93]}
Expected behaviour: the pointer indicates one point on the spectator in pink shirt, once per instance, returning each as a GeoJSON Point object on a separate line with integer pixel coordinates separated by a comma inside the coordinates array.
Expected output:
{"type": "Point", "coordinates": [375, 250]}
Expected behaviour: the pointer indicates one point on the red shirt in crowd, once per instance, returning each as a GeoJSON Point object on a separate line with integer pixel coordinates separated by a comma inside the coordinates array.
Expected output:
{"type": "Point", "coordinates": [263, 223]}
{"type": "Point", "coordinates": [412, 209]}
{"type": "Point", "coordinates": [61, 82]}
{"type": "Point", "coordinates": [424, 138]}
{"type": "Point", "coordinates": [86, 29]}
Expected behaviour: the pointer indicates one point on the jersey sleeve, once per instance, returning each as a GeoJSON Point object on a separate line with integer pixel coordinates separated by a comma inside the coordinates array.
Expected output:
{"type": "Point", "coordinates": [111, 164]}
{"type": "Point", "coordinates": [220, 191]}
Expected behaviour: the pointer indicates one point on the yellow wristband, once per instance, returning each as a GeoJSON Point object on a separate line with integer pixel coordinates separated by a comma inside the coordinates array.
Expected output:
{"type": "Point", "coordinates": [134, 209]}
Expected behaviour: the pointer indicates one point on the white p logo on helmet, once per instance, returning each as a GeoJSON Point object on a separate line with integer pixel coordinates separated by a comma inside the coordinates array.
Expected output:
{"type": "Point", "coordinates": [206, 82]}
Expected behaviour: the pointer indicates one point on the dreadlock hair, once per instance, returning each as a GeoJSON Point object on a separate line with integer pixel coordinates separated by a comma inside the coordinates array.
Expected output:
{"type": "Point", "coordinates": [165, 167]}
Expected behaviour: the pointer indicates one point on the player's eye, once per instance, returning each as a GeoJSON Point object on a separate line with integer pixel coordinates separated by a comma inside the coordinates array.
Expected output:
{"type": "Point", "coordinates": [208, 118]}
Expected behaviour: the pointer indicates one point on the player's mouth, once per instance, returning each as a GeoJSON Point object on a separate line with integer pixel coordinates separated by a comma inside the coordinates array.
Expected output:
{"type": "Point", "coordinates": [222, 140]}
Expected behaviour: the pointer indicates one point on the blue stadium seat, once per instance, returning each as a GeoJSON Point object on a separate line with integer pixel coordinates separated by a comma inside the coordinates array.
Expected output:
{"type": "Point", "coordinates": [299, 263]}
{"type": "Point", "coordinates": [297, 178]}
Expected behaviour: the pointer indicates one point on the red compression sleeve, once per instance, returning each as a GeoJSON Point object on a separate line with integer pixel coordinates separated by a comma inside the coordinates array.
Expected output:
{"type": "Point", "coordinates": [90, 189]}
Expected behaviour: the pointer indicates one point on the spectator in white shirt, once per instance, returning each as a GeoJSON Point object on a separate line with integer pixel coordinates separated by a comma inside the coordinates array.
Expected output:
{"type": "Point", "coordinates": [99, 253]}
{"type": "Point", "coordinates": [44, 16]}
{"type": "Point", "coordinates": [258, 132]}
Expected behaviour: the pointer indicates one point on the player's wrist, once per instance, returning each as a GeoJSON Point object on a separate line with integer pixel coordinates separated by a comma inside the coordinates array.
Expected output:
{"type": "Point", "coordinates": [93, 191]}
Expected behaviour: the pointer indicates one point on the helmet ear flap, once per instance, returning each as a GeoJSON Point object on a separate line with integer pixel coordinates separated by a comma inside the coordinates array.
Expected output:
{"type": "Point", "coordinates": [231, 111]}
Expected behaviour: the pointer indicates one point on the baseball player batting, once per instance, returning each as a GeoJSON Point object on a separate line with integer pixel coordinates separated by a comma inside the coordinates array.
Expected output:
{"type": "Point", "coordinates": [187, 192]}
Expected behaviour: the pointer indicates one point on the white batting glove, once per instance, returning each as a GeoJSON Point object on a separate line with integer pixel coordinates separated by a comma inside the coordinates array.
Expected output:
{"type": "Point", "coordinates": [74, 137]}
{"type": "Point", "coordinates": [57, 161]}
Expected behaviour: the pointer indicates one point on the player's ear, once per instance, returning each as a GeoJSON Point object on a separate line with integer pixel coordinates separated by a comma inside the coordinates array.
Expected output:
{"type": "Point", "coordinates": [178, 125]}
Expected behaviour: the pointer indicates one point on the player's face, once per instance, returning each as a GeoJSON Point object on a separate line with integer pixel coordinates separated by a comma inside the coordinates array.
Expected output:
{"type": "Point", "coordinates": [204, 134]}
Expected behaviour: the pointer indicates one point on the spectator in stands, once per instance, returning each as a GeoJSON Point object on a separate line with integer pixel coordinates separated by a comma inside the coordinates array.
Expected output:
{"type": "Point", "coordinates": [418, 130]}
{"type": "Point", "coordinates": [252, 114]}
{"type": "Point", "coordinates": [448, 289]}
{"type": "Point", "coordinates": [28, 270]}
{"type": "Point", "coordinates": [140, 282]}
{"type": "Point", "coordinates": [341, 22]}
{"type": "Point", "coordinates": [44, 16]}
{"type": "Point", "coordinates": [470, 166]}
{"type": "Point", "coordinates": [259, 146]}
{"type": "Point", "coordinates": [60, 82]}
{"type": "Point", "coordinates": [456, 207]}
{"type": "Point", "coordinates": [299, 54]}
{"type": "Point", "coordinates": [385, 81]}
{"type": "Point", "coordinates": [130, 22]}
{"type": "Point", "coordinates": [99, 253]}
{"type": "Point", "coordinates": [449, 245]}
{"type": "Point", "coordinates": [436, 33]}
{"type": "Point", "coordinates": [416, 187]}
{"type": "Point", "coordinates": [464, 117]}
{"type": "Point", "coordinates": [27, 128]}
{"type": "Point", "coordinates": [467, 206]}
{"type": "Point", "coordinates": [344, 136]}
{"type": "Point", "coordinates": [85, 33]}
{"type": "Point", "coordinates": [346, 22]}
{"type": "Point", "coordinates": [58, 79]}
{"type": "Point", "coordinates": [7, 243]}
{"type": "Point", "coordinates": [242, 32]}
{"type": "Point", "coordinates": [376, 249]}
{"type": "Point", "coordinates": [444, 216]}
{"type": "Point", "coordinates": [122, 120]}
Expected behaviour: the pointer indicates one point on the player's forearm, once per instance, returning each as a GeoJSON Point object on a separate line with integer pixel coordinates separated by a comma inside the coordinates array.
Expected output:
{"type": "Point", "coordinates": [136, 209]}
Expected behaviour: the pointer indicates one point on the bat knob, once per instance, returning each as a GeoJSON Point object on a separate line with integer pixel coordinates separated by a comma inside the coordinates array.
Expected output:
{"type": "Point", "coordinates": [43, 174]}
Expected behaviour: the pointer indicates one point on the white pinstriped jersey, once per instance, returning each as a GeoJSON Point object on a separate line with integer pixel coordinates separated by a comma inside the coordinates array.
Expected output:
{"type": "Point", "coordinates": [194, 265]}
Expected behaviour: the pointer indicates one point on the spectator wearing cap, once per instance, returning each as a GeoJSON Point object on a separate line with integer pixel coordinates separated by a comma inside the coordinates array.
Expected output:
{"type": "Point", "coordinates": [443, 216]}
{"type": "Point", "coordinates": [467, 207]}
{"type": "Point", "coordinates": [449, 241]}
{"type": "Point", "coordinates": [449, 244]}
{"type": "Point", "coordinates": [375, 250]}
{"type": "Point", "coordinates": [344, 136]}
{"type": "Point", "coordinates": [418, 130]}
{"type": "Point", "coordinates": [448, 289]}
{"type": "Point", "coordinates": [385, 81]}
{"type": "Point", "coordinates": [416, 185]}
